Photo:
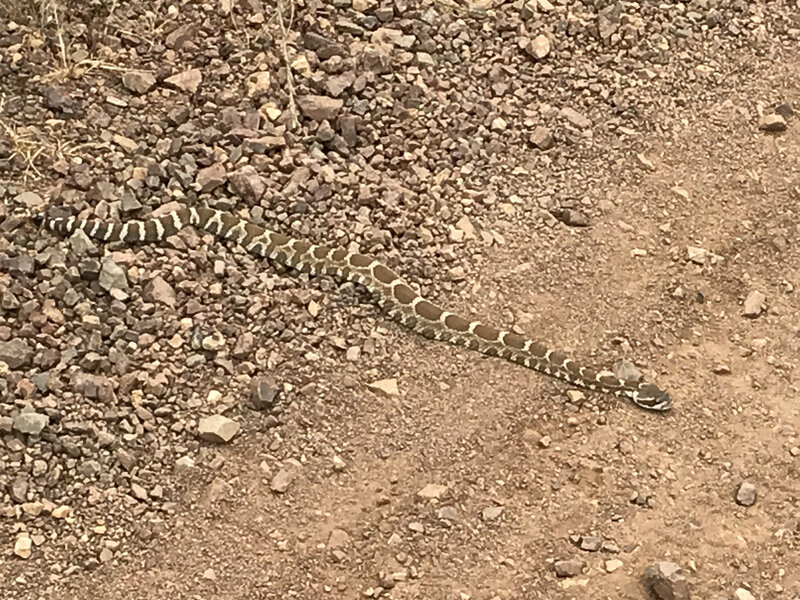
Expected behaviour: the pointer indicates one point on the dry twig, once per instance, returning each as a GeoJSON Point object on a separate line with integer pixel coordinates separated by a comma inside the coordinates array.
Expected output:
{"type": "Point", "coordinates": [285, 27]}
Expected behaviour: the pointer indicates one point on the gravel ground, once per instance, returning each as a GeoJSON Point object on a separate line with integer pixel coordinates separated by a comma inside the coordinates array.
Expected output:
{"type": "Point", "coordinates": [185, 421]}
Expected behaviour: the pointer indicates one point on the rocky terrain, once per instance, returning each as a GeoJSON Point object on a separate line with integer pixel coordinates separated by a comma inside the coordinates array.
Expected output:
{"type": "Point", "coordinates": [620, 180]}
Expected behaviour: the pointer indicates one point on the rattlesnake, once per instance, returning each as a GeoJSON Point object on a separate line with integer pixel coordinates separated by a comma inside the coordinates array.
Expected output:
{"type": "Point", "coordinates": [390, 291]}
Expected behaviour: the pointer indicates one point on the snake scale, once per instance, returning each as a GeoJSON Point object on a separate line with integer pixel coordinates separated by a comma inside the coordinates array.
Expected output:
{"type": "Point", "coordinates": [390, 291]}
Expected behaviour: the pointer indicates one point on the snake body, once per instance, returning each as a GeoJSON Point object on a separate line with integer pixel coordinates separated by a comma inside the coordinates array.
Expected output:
{"type": "Point", "coordinates": [394, 295]}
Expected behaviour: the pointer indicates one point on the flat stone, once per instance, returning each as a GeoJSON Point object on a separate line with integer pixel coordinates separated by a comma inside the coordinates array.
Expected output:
{"type": "Point", "coordinates": [217, 428]}
{"type": "Point", "coordinates": [772, 123]}
{"type": "Point", "coordinates": [746, 494]}
{"type": "Point", "coordinates": [432, 490]}
{"type": "Point", "coordinates": [591, 543]}
{"type": "Point", "coordinates": [320, 108]}
{"type": "Point", "coordinates": [139, 82]}
{"type": "Point", "coordinates": [30, 423]}
{"type": "Point", "coordinates": [575, 118]}
{"type": "Point", "coordinates": [569, 568]}
{"type": "Point", "coordinates": [387, 387]}
{"type": "Point", "coordinates": [17, 354]}
{"type": "Point", "coordinates": [338, 538]}
{"type": "Point", "coordinates": [492, 513]}
{"type": "Point", "coordinates": [667, 581]}
{"type": "Point", "coordinates": [158, 290]}
{"type": "Point", "coordinates": [283, 479]}
{"type": "Point", "coordinates": [30, 200]}
{"type": "Point", "coordinates": [613, 564]}
{"type": "Point", "coordinates": [211, 177]}
{"type": "Point", "coordinates": [186, 81]}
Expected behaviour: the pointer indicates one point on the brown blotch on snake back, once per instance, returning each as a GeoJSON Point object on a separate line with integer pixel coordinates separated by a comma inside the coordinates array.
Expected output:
{"type": "Point", "coordinates": [403, 293]}
{"type": "Point", "coordinates": [514, 341]}
{"type": "Point", "coordinates": [359, 260]}
{"type": "Point", "coordinates": [428, 310]}
{"type": "Point", "coordinates": [383, 274]}
{"type": "Point", "coordinates": [609, 381]}
{"type": "Point", "coordinates": [456, 323]}
{"type": "Point", "coordinates": [339, 255]}
{"type": "Point", "coordinates": [490, 334]}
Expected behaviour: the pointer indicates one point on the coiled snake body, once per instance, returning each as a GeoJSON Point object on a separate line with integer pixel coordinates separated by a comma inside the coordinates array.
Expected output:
{"type": "Point", "coordinates": [390, 291]}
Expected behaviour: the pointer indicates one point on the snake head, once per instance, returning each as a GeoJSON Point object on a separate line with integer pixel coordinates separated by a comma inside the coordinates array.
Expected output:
{"type": "Point", "coordinates": [651, 397]}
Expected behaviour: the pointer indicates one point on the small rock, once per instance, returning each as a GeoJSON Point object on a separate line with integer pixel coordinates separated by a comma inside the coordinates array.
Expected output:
{"type": "Point", "coordinates": [214, 342]}
{"type": "Point", "coordinates": [258, 83]}
{"type": "Point", "coordinates": [743, 594]}
{"type": "Point", "coordinates": [431, 491]}
{"type": "Point", "coordinates": [387, 387]}
{"type": "Point", "coordinates": [492, 513]}
{"type": "Point", "coordinates": [338, 464]}
{"type": "Point", "coordinates": [575, 118]}
{"type": "Point", "coordinates": [785, 110]}
{"type": "Point", "coordinates": [112, 276]}
{"type": "Point", "coordinates": [282, 480]}
{"type": "Point", "coordinates": [139, 82]}
{"type": "Point", "coordinates": [499, 124]}
{"type": "Point", "coordinates": [754, 304]}
{"type": "Point", "coordinates": [746, 495]}
{"type": "Point", "coordinates": [263, 392]}
{"type": "Point", "coordinates": [569, 568]}
{"type": "Point", "coordinates": [211, 177]}
{"type": "Point", "coordinates": [667, 581]}
{"type": "Point", "coordinates": [186, 81]}
{"type": "Point", "coordinates": [447, 512]}
{"type": "Point", "coordinates": [772, 123]}
{"type": "Point", "coordinates": [338, 538]}
{"type": "Point", "coordinates": [30, 200]}
{"type": "Point", "coordinates": [248, 184]}
{"type": "Point", "coordinates": [320, 108]}
{"type": "Point", "coordinates": [721, 369]}
{"type": "Point", "coordinates": [61, 512]}
{"type": "Point", "coordinates": [591, 543]}
{"type": "Point", "coordinates": [30, 423]}
{"type": "Point", "coordinates": [17, 354]}
{"type": "Point", "coordinates": [217, 428]}
{"type": "Point", "coordinates": [613, 564]}
{"type": "Point", "coordinates": [22, 547]}
{"type": "Point", "coordinates": [139, 492]}
{"type": "Point", "coordinates": [542, 138]}
{"type": "Point", "coordinates": [158, 290]}
{"type": "Point", "coordinates": [537, 48]}
{"type": "Point", "coordinates": [106, 554]}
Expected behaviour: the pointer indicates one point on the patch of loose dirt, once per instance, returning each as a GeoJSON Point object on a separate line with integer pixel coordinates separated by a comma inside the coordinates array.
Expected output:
{"type": "Point", "coordinates": [119, 497]}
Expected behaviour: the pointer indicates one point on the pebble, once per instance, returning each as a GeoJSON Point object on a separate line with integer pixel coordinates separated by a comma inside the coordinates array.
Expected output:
{"type": "Point", "coordinates": [492, 513]}
{"type": "Point", "coordinates": [248, 184]}
{"type": "Point", "coordinates": [537, 48]}
{"type": "Point", "coordinates": [158, 290]}
{"type": "Point", "coordinates": [591, 543]}
{"type": "Point", "coordinates": [569, 568]}
{"type": "Point", "coordinates": [575, 118]}
{"type": "Point", "coordinates": [754, 304]}
{"type": "Point", "coordinates": [29, 422]}
{"type": "Point", "coordinates": [112, 276]}
{"type": "Point", "coordinates": [16, 354]}
{"type": "Point", "coordinates": [772, 123]}
{"type": "Point", "coordinates": [743, 594]}
{"type": "Point", "coordinates": [214, 342]}
{"type": "Point", "coordinates": [283, 479]}
{"type": "Point", "coordinates": [432, 491]}
{"type": "Point", "coordinates": [542, 138]}
{"type": "Point", "coordinates": [139, 82]}
{"type": "Point", "coordinates": [217, 428]}
{"type": "Point", "coordinates": [186, 81]}
{"type": "Point", "coordinates": [387, 387]}
{"type": "Point", "coordinates": [22, 546]}
{"type": "Point", "coordinates": [613, 564]}
{"type": "Point", "coordinates": [320, 108]}
{"type": "Point", "coordinates": [746, 494]}
{"type": "Point", "coordinates": [263, 392]}
{"type": "Point", "coordinates": [211, 177]}
{"type": "Point", "coordinates": [30, 200]}
{"type": "Point", "coordinates": [667, 581]}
